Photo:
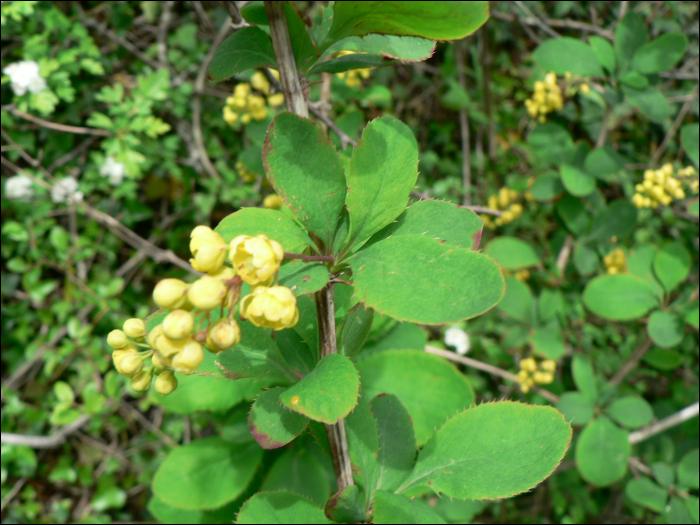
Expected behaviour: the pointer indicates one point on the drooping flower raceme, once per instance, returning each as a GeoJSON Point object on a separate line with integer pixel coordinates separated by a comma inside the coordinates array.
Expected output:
{"type": "Point", "coordinates": [65, 190]}
{"type": "Point", "coordinates": [24, 76]}
{"type": "Point", "coordinates": [113, 170]}
{"type": "Point", "coordinates": [256, 259]}
{"type": "Point", "coordinates": [274, 307]}
{"type": "Point", "coordinates": [19, 187]}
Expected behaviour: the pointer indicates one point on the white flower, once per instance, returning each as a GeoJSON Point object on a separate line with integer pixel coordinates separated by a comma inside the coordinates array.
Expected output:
{"type": "Point", "coordinates": [459, 339]}
{"type": "Point", "coordinates": [66, 189]}
{"type": "Point", "coordinates": [114, 170]}
{"type": "Point", "coordinates": [19, 187]}
{"type": "Point", "coordinates": [25, 76]}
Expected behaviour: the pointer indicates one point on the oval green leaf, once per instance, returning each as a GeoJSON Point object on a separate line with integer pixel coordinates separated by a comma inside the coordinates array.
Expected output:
{"type": "Point", "coordinates": [567, 54]}
{"type": "Point", "coordinates": [602, 451]}
{"type": "Point", "coordinates": [644, 492]}
{"type": "Point", "coordinates": [577, 182]}
{"type": "Point", "coordinates": [619, 297]}
{"type": "Point", "coordinates": [246, 48]}
{"type": "Point", "coordinates": [511, 253]}
{"type": "Point", "coordinates": [665, 329]}
{"type": "Point", "coordinates": [271, 424]}
{"type": "Point", "coordinates": [280, 507]}
{"type": "Point", "coordinates": [302, 277]}
{"type": "Point", "coordinates": [576, 407]}
{"type": "Point", "coordinates": [660, 54]}
{"type": "Point", "coordinates": [631, 411]}
{"type": "Point", "coordinates": [394, 508]}
{"type": "Point", "coordinates": [671, 265]}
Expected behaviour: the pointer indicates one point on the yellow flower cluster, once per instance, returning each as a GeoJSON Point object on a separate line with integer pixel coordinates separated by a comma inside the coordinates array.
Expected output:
{"type": "Point", "coordinates": [246, 105]}
{"type": "Point", "coordinates": [177, 344]}
{"type": "Point", "coordinates": [615, 262]}
{"type": "Point", "coordinates": [531, 373]}
{"type": "Point", "coordinates": [504, 201]}
{"type": "Point", "coordinates": [244, 173]}
{"type": "Point", "coordinates": [352, 77]}
{"type": "Point", "coordinates": [661, 187]}
{"type": "Point", "coordinates": [546, 98]}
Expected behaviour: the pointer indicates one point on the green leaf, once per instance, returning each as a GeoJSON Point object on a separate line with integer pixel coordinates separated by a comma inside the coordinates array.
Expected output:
{"type": "Point", "coordinates": [108, 497]}
{"type": "Point", "coordinates": [672, 265]}
{"type": "Point", "coordinates": [246, 48]}
{"type": "Point", "coordinates": [276, 225]}
{"type": "Point", "coordinates": [572, 212]}
{"type": "Point", "coordinates": [301, 472]}
{"type": "Point", "coordinates": [495, 450]}
{"type": "Point", "coordinates": [630, 35]}
{"type": "Point", "coordinates": [404, 48]}
{"type": "Point", "coordinates": [517, 301]}
{"type": "Point", "coordinates": [663, 359]}
{"type": "Point", "coordinates": [643, 491]}
{"type": "Point", "coordinates": [206, 474]}
{"type": "Point", "coordinates": [344, 506]}
{"type": "Point", "coordinates": [100, 120]}
{"type": "Point", "coordinates": [397, 441]}
{"type": "Point", "coordinates": [603, 162]}
{"type": "Point", "coordinates": [400, 336]}
{"type": "Point", "coordinates": [512, 253]}
{"type": "Point", "coordinates": [635, 80]}
{"type": "Point", "coordinates": [660, 54]}
{"type": "Point", "coordinates": [663, 473]}
{"type": "Point", "coordinates": [617, 220]}
{"type": "Point", "coordinates": [443, 221]}
{"type": "Point", "coordinates": [577, 408]}
{"type": "Point", "coordinates": [305, 170]}
{"type": "Point", "coordinates": [355, 330]}
{"type": "Point", "coordinates": [380, 176]}
{"type": "Point", "coordinates": [568, 54]}
{"type": "Point", "coordinates": [410, 376]}
{"type": "Point", "coordinates": [302, 277]}
{"type": "Point", "coordinates": [649, 101]}
{"type": "Point", "coordinates": [640, 263]}
{"type": "Point", "coordinates": [328, 393]}
{"type": "Point", "coordinates": [296, 351]}
{"type": "Point", "coordinates": [586, 259]}
{"type": "Point", "coordinates": [547, 186]}
{"type": "Point", "coordinates": [604, 51]}
{"type": "Point", "coordinates": [363, 442]}
{"type": "Point", "coordinates": [550, 304]}
{"type": "Point", "coordinates": [165, 513]}
{"type": "Point", "coordinates": [394, 508]}
{"type": "Point", "coordinates": [631, 411]}
{"type": "Point", "coordinates": [665, 329]}
{"type": "Point", "coordinates": [548, 341]}
{"type": "Point", "coordinates": [280, 507]}
{"type": "Point", "coordinates": [619, 297]}
{"type": "Point", "coordinates": [437, 21]}
{"type": "Point", "coordinates": [63, 392]}
{"type": "Point", "coordinates": [551, 144]}
{"type": "Point", "coordinates": [682, 511]}
{"type": "Point", "coordinates": [272, 425]}
{"type": "Point", "coordinates": [452, 283]}
{"type": "Point", "coordinates": [346, 62]}
{"type": "Point", "coordinates": [602, 451]}
{"type": "Point", "coordinates": [584, 376]}
{"type": "Point", "coordinates": [688, 472]}
{"type": "Point", "coordinates": [689, 139]}
{"type": "Point", "coordinates": [577, 182]}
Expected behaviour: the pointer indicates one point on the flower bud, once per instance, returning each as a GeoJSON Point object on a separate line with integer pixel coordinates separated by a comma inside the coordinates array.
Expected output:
{"type": "Point", "coordinates": [154, 334]}
{"type": "Point", "coordinates": [206, 293]}
{"type": "Point", "coordinates": [273, 202]}
{"type": "Point", "coordinates": [585, 89]}
{"type": "Point", "coordinates": [255, 259]}
{"type": "Point", "coordinates": [275, 100]}
{"type": "Point", "coordinates": [241, 90]}
{"type": "Point", "coordinates": [120, 353]}
{"type": "Point", "coordinates": [208, 249]}
{"type": "Point", "coordinates": [169, 347]}
{"type": "Point", "coordinates": [135, 328]}
{"type": "Point", "coordinates": [166, 383]}
{"type": "Point", "coordinates": [170, 294]}
{"type": "Point", "coordinates": [274, 307]}
{"type": "Point", "coordinates": [528, 364]}
{"type": "Point", "coordinates": [117, 339]}
{"type": "Point", "coordinates": [549, 365]}
{"type": "Point", "coordinates": [178, 324]}
{"type": "Point", "coordinates": [130, 365]}
{"type": "Point", "coordinates": [158, 362]}
{"type": "Point", "coordinates": [222, 335]}
{"type": "Point", "coordinates": [224, 273]}
{"type": "Point", "coordinates": [189, 358]}
{"type": "Point", "coordinates": [141, 381]}
{"type": "Point", "coordinates": [259, 82]}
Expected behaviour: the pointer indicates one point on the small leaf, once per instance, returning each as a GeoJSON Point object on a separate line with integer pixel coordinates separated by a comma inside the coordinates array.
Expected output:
{"type": "Point", "coordinates": [605, 52]}
{"type": "Point", "coordinates": [646, 493]}
{"type": "Point", "coordinates": [603, 162]}
{"type": "Point", "coordinates": [584, 376]}
{"type": "Point", "coordinates": [602, 451]}
{"type": "Point", "coordinates": [672, 265]}
{"type": "Point", "coordinates": [551, 144]}
{"type": "Point", "coordinates": [397, 441]}
{"type": "Point", "coordinates": [689, 139]}
{"type": "Point", "coordinates": [663, 359]}
{"type": "Point", "coordinates": [631, 411]}
{"type": "Point", "coordinates": [630, 35]}
{"type": "Point", "coordinates": [512, 253]}
{"type": "Point", "coordinates": [577, 182]}
{"type": "Point", "coordinates": [577, 408]}
{"type": "Point", "coordinates": [404, 48]}
{"type": "Point", "coordinates": [356, 328]}
{"type": "Point", "coordinates": [572, 212]}
{"type": "Point", "coordinates": [617, 220]}
{"type": "Point", "coordinates": [246, 48]}
{"type": "Point", "coordinates": [688, 471]}
{"type": "Point", "coordinates": [660, 54]}
{"type": "Point", "coordinates": [619, 297]}
{"type": "Point", "coordinates": [548, 341]}
{"type": "Point", "coordinates": [665, 329]}
{"type": "Point", "coordinates": [547, 186]}
{"type": "Point", "coordinates": [517, 302]}
{"type": "Point", "coordinates": [394, 508]}
{"type": "Point", "coordinates": [495, 450]}
{"type": "Point", "coordinates": [280, 507]}
{"type": "Point", "coordinates": [299, 471]}
{"type": "Point", "coordinates": [363, 442]}
{"type": "Point", "coordinates": [328, 393]}
{"type": "Point", "coordinates": [346, 62]}
{"type": "Point", "coordinates": [206, 474]}
{"type": "Point", "coordinates": [272, 425]}
{"type": "Point", "coordinates": [410, 376]}
{"type": "Point", "coordinates": [650, 102]}
{"type": "Point", "coordinates": [303, 277]}
{"type": "Point", "coordinates": [566, 54]}
{"type": "Point", "coordinates": [64, 392]}
{"type": "Point", "coordinates": [344, 506]}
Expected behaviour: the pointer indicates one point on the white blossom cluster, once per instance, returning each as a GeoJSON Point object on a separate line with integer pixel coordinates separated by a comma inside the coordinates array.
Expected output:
{"type": "Point", "coordinates": [113, 170]}
{"type": "Point", "coordinates": [19, 187]}
{"type": "Point", "coordinates": [459, 339]}
{"type": "Point", "coordinates": [25, 76]}
{"type": "Point", "coordinates": [66, 189]}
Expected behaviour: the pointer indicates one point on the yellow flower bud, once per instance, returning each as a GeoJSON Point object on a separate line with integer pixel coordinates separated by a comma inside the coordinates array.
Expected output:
{"type": "Point", "coordinates": [525, 387]}
{"type": "Point", "coordinates": [154, 334]}
{"type": "Point", "coordinates": [516, 209]}
{"type": "Point", "coordinates": [568, 76]}
{"type": "Point", "coordinates": [230, 100]}
{"type": "Point", "coordinates": [276, 100]}
{"type": "Point", "coordinates": [240, 103]}
{"type": "Point", "coordinates": [158, 362]}
{"type": "Point", "coordinates": [141, 381]}
{"type": "Point", "coordinates": [585, 89]}
{"type": "Point", "coordinates": [493, 202]}
{"type": "Point", "coordinates": [178, 324]}
{"type": "Point", "coordinates": [549, 365]}
{"type": "Point", "coordinates": [273, 202]}
{"type": "Point", "coordinates": [259, 82]}
{"type": "Point", "coordinates": [550, 79]}
{"type": "Point", "coordinates": [638, 200]}
{"type": "Point", "coordinates": [120, 353]}
{"type": "Point", "coordinates": [191, 356]}
{"type": "Point", "coordinates": [222, 335]}
{"type": "Point", "coordinates": [206, 293]}
{"type": "Point", "coordinates": [275, 73]}
{"type": "Point", "coordinates": [259, 114]}
{"type": "Point", "coordinates": [241, 90]}
{"type": "Point", "coordinates": [507, 217]}
{"type": "Point", "coordinates": [255, 259]}
{"type": "Point", "coordinates": [130, 365]}
{"type": "Point", "coordinates": [245, 118]}
{"type": "Point", "coordinates": [169, 347]}
{"type": "Point", "coordinates": [539, 86]}
{"type": "Point", "coordinates": [204, 236]}
{"type": "Point", "coordinates": [117, 339]}
{"type": "Point", "coordinates": [255, 103]}
{"type": "Point", "coordinates": [528, 364]}
{"type": "Point", "coordinates": [166, 383]}
{"type": "Point", "coordinates": [522, 376]}
{"type": "Point", "coordinates": [224, 273]}
{"type": "Point", "coordinates": [503, 198]}
{"type": "Point", "coordinates": [135, 328]}
{"type": "Point", "coordinates": [170, 294]}
{"type": "Point", "coordinates": [667, 169]}
{"type": "Point", "coordinates": [274, 307]}
{"type": "Point", "coordinates": [230, 116]}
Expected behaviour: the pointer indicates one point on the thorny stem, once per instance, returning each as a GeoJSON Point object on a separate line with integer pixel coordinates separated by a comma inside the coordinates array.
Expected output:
{"type": "Point", "coordinates": [296, 103]}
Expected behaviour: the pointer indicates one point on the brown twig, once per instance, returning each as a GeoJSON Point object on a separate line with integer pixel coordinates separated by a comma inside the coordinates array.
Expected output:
{"type": "Point", "coordinates": [344, 139]}
{"type": "Point", "coordinates": [57, 127]}
{"type": "Point", "coordinates": [52, 441]}
{"type": "Point", "coordinates": [565, 254]}
{"type": "Point", "coordinates": [674, 128]}
{"type": "Point", "coordinates": [679, 417]}
{"type": "Point", "coordinates": [631, 362]}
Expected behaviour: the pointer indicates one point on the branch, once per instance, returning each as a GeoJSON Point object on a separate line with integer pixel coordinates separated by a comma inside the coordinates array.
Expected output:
{"type": "Point", "coordinates": [674, 127]}
{"type": "Point", "coordinates": [679, 417]}
{"type": "Point", "coordinates": [52, 441]}
{"type": "Point", "coordinates": [57, 127]}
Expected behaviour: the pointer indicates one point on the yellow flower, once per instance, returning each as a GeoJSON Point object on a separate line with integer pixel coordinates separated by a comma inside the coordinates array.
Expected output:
{"type": "Point", "coordinates": [206, 292]}
{"type": "Point", "coordinates": [166, 383]}
{"type": "Point", "coordinates": [241, 90]}
{"type": "Point", "coordinates": [178, 324]}
{"type": "Point", "coordinates": [255, 259]}
{"type": "Point", "coordinates": [117, 339]}
{"type": "Point", "coordinates": [134, 328]}
{"type": "Point", "coordinates": [259, 82]}
{"type": "Point", "coordinates": [549, 365]}
{"type": "Point", "coordinates": [208, 248]}
{"type": "Point", "coordinates": [273, 201]}
{"type": "Point", "coordinates": [274, 307]}
{"type": "Point", "coordinates": [189, 358]}
{"type": "Point", "coordinates": [141, 381]}
{"type": "Point", "coordinates": [255, 103]}
{"type": "Point", "coordinates": [275, 100]}
{"type": "Point", "coordinates": [170, 294]}
{"type": "Point", "coordinates": [230, 116]}
{"type": "Point", "coordinates": [528, 364]}
{"type": "Point", "coordinates": [585, 89]}
{"type": "Point", "coordinates": [222, 335]}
